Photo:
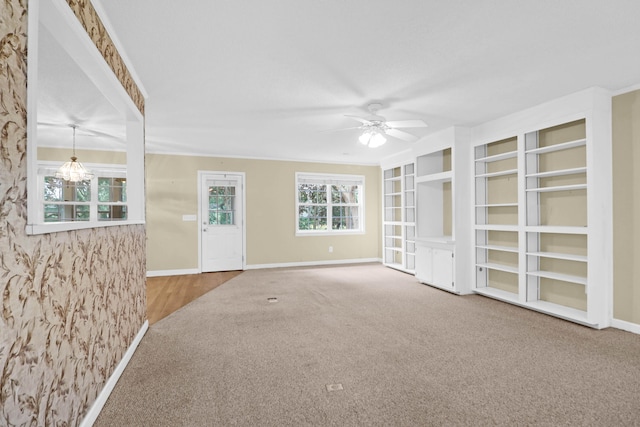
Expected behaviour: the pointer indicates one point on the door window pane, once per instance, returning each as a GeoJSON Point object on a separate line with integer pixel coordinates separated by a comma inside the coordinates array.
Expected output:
{"type": "Point", "coordinates": [222, 205]}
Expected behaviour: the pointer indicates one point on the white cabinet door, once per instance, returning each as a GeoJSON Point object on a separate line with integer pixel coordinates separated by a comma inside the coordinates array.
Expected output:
{"type": "Point", "coordinates": [424, 264]}
{"type": "Point", "coordinates": [434, 266]}
{"type": "Point", "coordinates": [442, 260]}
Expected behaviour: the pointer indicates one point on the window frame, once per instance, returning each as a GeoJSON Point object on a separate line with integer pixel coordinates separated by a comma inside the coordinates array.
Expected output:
{"type": "Point", "coordinates": [48, 168]}
{"type": "Point", "coordinates": [67, 30]}
{"type": "Point", "coordinates": [331, 179]}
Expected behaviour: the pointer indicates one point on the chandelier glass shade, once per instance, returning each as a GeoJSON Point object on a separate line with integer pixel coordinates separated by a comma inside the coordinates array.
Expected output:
{"type": "Point", "coordinates": [372, 138]}
{"type": "Point", "coordinates": [73, 171]}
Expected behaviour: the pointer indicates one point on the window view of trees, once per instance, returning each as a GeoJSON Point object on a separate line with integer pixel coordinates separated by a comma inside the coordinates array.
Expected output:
{"type": "Point", "coordinates": [72, 201]}
{"type": "Point", "coordinates": [222, 205]}
{"type": "Point", "coordinates": [66, 201]}
{"type": "Point", "coordinates": [112, 193]}
{"type": "Point", "coordinates": [321, 206]}
{"type": "Point", "coordinates": [312, 208]}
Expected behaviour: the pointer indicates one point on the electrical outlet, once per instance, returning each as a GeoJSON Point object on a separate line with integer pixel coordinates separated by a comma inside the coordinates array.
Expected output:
{"type": "Point", "coordinates": [330, 249]}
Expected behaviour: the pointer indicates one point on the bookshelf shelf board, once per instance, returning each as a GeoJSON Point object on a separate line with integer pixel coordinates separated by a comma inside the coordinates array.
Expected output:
{"type": "Point", "coordinates": [558, 255]}
{"type": "Point", "coordinates": [513, 249]}
{"type": "Point", "coordinates": [557, 147]}
{"type": "Point", "coordinates": [559, 276]}
{"type": "Point", "coordinates": [499, 173]}
{"type": "Point", "coordinates": [435, 177]}
{"type": "Point", "coordinates": [556, 310]}
{"type": "Point", "coordinates": [497, 294]}
{"type": "Point", "coordinates": [556, 229]}
{"type": "Point", "coordinates": [499, 267]}
{"type": "Point", "coordinates": [558, 188]}
{"type": "Point", "coordinates": [497, 205]}
{"type": "Point", "coordinates": [493, 227]}
{"type": "Point", "coordinates": [436, 239]}
{"type": "Point", "coordinates": [560, 172]}
{"type": "Point", "coordinates": [497, 157]}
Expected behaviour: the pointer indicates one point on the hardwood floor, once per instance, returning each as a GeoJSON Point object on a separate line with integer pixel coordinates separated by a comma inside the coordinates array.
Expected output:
{"type": "Point", "coordinates": [166, 294]}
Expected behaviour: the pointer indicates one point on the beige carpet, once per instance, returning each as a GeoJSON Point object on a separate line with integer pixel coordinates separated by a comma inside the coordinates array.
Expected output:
{"type": "Point", "coordinates": [403, 354]}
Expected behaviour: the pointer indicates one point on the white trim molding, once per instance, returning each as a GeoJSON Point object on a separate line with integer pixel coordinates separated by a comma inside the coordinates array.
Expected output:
{"type": "Point", "coordinates": [181, 272]}
{"type": "Point", "coordinates": [313, 263]}
{"type": "Point", "coordinates": [625, 326]}
{"type": "Point", "coordinates": [94, 411]}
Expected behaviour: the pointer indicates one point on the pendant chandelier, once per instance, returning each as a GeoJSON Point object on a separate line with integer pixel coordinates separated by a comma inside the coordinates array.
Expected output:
{"type": "Point", "coordinates": [73, 171]}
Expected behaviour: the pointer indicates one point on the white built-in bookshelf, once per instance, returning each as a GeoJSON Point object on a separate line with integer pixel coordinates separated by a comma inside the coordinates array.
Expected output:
{"type": "Point", "coordinates": [517, 209]}
{"type": "Point", "coordinates": [435, 253]}
{"type": "Point", "coordinates": [540, 215]}
{"type": "Point", "coordinates": [399, 216]}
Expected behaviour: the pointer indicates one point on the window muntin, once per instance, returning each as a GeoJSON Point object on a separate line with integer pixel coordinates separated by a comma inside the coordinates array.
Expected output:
{"type": "Point", "coordinates": [100, 199]}
{"type": "Point", "coordinates": [222, 201]}
{"type": "Point", "coordinates": [66, 201]}
{"type": "Point", "coordinates": [112, 198]}
{"type": "Point", "coordinates": [329, 203]}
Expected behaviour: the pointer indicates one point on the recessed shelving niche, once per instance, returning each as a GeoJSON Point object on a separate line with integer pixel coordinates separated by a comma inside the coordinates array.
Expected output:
{"type": "Point", "coordinates": [496, 213]}
{"type": "Point", "coordinates": [436, 241]}
{"type": "Point", "coordinates": [557, 223]}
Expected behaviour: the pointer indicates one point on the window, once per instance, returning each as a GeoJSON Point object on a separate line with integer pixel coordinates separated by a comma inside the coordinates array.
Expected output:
{"type": "Point", "coordinates": [112, 198]}
{"type": "Point", "coordinates": [103, 198]}
{"type": "Point", "coordinates": [329, 203]}
{"type": "Point", "coordinates": [222, 205]}
{"type": "Point", "coordinates": [66, 201]}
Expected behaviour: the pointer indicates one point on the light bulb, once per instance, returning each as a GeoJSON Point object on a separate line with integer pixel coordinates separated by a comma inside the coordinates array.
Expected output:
{"type": "Point", "coordinates": [365, 138]}
{"type": "Point", "coordinates": [377, 140]}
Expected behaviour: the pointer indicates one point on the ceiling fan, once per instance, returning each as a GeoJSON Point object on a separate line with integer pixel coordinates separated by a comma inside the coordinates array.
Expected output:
{"type": "Point", "coordinates": [375, 127]}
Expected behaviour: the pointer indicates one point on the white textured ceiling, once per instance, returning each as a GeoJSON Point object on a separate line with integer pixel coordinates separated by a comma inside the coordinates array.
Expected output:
{"type": "Point", "coordinates": [67, 96]}
{"type": "Point", "coordinates": [266, 78]}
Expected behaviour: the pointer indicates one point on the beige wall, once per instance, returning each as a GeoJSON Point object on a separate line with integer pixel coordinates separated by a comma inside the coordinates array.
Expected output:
{"type": "Point", "coordinates": [626, 207]}
{"type": "Point", "coordinates": [84, 156]}
{"type": "Point", "coordinates": [270, 210]}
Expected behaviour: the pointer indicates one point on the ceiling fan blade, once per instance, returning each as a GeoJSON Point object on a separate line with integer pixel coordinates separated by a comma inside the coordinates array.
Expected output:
{"type": "Point", "coordinates": [401, 135]}
{"type": "Point", "coordinates": [337, 130]}
{"type": "Point", "coordinates": [407, 124]}
{"type": "Point", "coordinates": [360, 119]}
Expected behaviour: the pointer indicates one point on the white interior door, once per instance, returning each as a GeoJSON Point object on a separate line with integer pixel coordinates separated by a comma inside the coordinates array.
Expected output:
{"type": "Point", "coordinates": [221, 220]}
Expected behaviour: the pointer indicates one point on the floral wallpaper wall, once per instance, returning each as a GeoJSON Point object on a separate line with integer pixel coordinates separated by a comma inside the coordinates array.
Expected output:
{"type": "Point", "coordinates": [71, 302]}
{"type": "Point", "coordinates": [91, 22]}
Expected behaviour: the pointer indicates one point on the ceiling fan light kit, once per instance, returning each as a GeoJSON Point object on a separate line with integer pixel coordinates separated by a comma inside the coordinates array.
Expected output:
{"type": "Point", "coordinates": [372, 138]}
{"type": "Point", "coordinates": [73, 171]}
{"type": "Point", "coordinates": [375, 127]}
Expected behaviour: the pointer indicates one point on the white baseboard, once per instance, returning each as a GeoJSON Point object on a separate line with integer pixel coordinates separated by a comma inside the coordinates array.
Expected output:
{"type": "Point", "coordinates": [625, 326]}
{"type": "Point", "coordinates": [312, 263]}
{"type": "Point", "coordinates": [158, 273]}
{"type": "Point", "coordinates": [95, 409]}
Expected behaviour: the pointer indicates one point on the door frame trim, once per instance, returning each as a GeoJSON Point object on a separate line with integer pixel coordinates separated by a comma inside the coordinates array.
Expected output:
{"type": "Point", "coordinates": [243, 177]}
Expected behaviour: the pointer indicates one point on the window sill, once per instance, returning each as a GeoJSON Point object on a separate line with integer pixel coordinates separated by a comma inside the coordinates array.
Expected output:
{"type": "Point", "coordinates": [329, 233]}
{"type": "Point", "coordinates": [33, 229]}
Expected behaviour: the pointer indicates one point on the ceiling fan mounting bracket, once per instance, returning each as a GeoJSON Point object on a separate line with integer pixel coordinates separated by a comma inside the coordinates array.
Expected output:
{"type": "Point", "coordinates": [374, 107]}
{"type": "Point", "coordinates": [375, 118]}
